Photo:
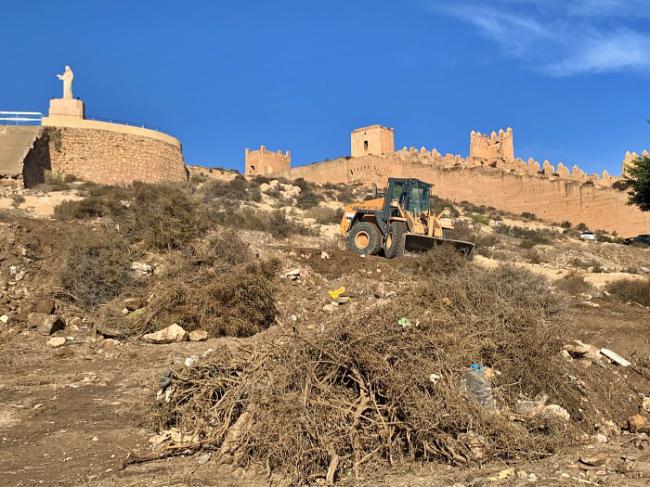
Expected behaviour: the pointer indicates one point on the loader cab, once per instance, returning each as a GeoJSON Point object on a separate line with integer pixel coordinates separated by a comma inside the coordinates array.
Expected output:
{"type": "Point", "coordinates": [411, 194]}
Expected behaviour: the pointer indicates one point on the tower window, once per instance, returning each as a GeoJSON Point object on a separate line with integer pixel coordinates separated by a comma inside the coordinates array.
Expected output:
{"type": "Point", "coordinates": [365, 145]}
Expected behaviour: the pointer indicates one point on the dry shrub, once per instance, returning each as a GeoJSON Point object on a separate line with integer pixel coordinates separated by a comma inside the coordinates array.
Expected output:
{"type": "Point", "coordinates": [529, 237]}
{"type": "Point", "coordinates": [235, 190]}
{"type": "Point", "coordinates": [574, 284]}
{"type": "Point", "coordinates": [274, 222]}
{"type": "Point", "coordinates": [212, 285]}
{"type": "Point", "coordinates": [318, 407]}
{"type": "Point", "coordinates": [161, 217]}
{"type": "Point", "coordinates": [634, 290]}
{"type": "Point", "coordinates": [237, 302]}
{"type": "Point", "coordinates": [310, 194]}
{"type": "Point", "coordinates": [441, 259]}
{"type": "Point", "coordinates": [325, 215]}
{"type": "Point", "coordinates": [221, 251]}
{"type": "Point", "coordinates": [96, 269]}
{"type": "Point", "coordinates": [158, 216]}
{"type": "Point", "coordinates": [55, 182]}
{"type": "Point", "coordinates": [91, 207]}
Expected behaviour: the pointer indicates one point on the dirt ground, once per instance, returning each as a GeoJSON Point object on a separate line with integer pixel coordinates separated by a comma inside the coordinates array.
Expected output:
{"type": "Point", "coordinates": [72, 415]}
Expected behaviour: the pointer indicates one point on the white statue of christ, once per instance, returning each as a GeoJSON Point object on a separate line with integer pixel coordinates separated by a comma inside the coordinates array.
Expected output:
{"type": "Point", "coordinates": [67, 78]}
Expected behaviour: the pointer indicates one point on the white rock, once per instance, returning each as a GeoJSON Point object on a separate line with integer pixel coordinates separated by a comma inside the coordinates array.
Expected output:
{"type": "Point", "coordinates": [555, 411]}
{"type": "Point", "coordinates": [4, 319]}
{"type": "Point", "coordinates": [324, 255]}
{"type": "Point", "coordinates": [646, 404]}
{"type": "Point", "coordinates": [171, 334]}
{"type": "Point", "coordinates": [198, 336]}
{"type": "Point", "coordinates": [56, 342]}
{"type": "Point", "coordinates": [600, 438]}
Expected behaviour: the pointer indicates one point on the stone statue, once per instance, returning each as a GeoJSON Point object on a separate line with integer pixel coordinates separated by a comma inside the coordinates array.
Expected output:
{"type": "Point", "coordinates": [67, 78]}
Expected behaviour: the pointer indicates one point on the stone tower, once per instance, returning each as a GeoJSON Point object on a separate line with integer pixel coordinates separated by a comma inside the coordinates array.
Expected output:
{"type": "Point", "coordinates": [493, 148]}
{"type": "Point", "coordinates": [374, 139]}
{"type": "Point", "coordinates": [263, 162]}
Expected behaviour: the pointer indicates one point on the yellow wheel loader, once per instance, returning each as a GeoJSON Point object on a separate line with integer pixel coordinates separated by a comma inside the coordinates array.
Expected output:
{"type": "Point", "coordinates": [398, 222]}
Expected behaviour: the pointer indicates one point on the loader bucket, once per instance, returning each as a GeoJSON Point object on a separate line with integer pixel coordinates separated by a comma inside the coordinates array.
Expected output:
{"type": "Point", "coordinates": [421, 243]}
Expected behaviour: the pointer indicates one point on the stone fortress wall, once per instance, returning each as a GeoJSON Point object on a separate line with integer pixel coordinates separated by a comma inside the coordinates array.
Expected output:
{"type": "Point", "coordinates": [263, 161]}
{"type": "Point", "coordinates": [492, 176]}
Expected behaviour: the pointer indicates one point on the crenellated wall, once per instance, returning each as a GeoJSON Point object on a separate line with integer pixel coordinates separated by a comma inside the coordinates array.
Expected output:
{"type": "Point", "coordinates": [553, 198]}
{"type": "Point", "coordinates": [492, 176]}
{"type": "Point", "coordinates": [264, 162]}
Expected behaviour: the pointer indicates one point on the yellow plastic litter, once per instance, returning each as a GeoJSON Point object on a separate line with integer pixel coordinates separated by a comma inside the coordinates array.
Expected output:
{"type": "Point", "coordinates": [336, 293]}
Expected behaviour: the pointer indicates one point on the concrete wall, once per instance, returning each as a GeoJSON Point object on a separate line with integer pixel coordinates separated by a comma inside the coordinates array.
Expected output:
{"type": "Point", "coordinates": [15, 143]}
{"type": "Point", "coordinates": [113, 156]}
{"type": "Point", "coordinates": [553, 199]}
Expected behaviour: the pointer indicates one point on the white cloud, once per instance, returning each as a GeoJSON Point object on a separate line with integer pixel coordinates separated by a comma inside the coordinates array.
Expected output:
{"type": "Point", "coordinates": [612, 52]}
{"type": "Point", "coordinates": [559, 37]}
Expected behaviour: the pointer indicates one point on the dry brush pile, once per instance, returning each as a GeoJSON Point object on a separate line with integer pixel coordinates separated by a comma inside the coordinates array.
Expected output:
{"type": "Point", "coordinates": [376, 389]}
{"type": "Point", "coordinates": [208, 278]}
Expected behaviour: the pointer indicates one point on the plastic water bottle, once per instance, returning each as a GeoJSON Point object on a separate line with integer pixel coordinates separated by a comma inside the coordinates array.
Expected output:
{"type": "Point", "coordinates": [476, 383]}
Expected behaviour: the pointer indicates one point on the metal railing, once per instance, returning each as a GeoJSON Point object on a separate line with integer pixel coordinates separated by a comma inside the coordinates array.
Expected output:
{"type": "Point", "coordinates": [35, 118]}
{"type": "Point", "coordinates": [20, 118]}
{"type": "Point", "coordinates": [131, 124]}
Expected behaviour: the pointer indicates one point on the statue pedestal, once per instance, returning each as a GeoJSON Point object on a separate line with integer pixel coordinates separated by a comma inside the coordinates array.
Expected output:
{"type": "Point", "coordinates": [68, 108]}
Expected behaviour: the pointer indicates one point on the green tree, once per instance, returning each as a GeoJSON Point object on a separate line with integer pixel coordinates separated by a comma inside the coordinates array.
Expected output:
{"type": "Point", "coordinates": [638, 181]}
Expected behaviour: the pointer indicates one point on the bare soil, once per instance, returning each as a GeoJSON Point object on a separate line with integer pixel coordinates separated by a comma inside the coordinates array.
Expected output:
{"type": "Point", "coordinates": [72, 415]}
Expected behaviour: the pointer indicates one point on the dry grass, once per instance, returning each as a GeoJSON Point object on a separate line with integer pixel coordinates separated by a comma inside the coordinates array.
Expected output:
{"type": "Point", "coordinates": [631, 290]}
{"type": "Point", "coordinates": [442, 259]}
{"type": "Point", "coordinates": [214, 285]}
{"type": "Point", "coordinates": [574, 284]}
{"type": "Point", "coordinates": [325, 215]}
{"type": "Point", "coordinates": [322, 407]}
{"type": "Point", "coordinates": [96, 267]}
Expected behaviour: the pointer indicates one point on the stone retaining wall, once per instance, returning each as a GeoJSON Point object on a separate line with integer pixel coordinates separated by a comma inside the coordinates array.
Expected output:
{"type": "Point", "coordinates": [111, 157]}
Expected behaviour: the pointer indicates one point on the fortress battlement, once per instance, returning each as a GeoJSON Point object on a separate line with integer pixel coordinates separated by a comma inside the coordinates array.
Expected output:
{"type": "Point", "coordinates": [490, 175]}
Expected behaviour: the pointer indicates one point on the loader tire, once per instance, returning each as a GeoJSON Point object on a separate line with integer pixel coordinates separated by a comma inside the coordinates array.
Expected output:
{"type": "Point", "coordinates": [364, 239]}
{"type": "Point", "coordinates": [395, 239]}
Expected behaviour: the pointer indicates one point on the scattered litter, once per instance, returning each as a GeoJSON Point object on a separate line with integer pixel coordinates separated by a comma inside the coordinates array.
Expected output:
{"type": "Point", "coordinates": [615, 358]}
{"type": "Point", "coordinates": [293, 274]}
{"type": "Point", "coordinates": [435, 378]}
{"type": "Point", "coordinates": [324, 255]}
{"type": "Point", "coordinates": [344, 300]}
{"type": "Point", "coordinates": [142, 268]}
{"type": "Point", "coordinates": [475, 382]}
{"type": "Point", "coordinates": [336, 293]}
{"type": "Point", "coordinates": [190, 361]}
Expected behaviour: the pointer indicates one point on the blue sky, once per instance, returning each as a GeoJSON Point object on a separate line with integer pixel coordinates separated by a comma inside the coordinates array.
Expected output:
{"type": "Point", "coordinates": [570, 77]}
